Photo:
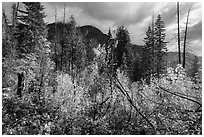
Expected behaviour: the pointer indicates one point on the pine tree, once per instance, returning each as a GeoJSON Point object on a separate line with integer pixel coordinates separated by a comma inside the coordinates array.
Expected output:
{"type": "Point", "coordinates": [122, 35]}
{"type": "Point", "coordinates": [30, 28]}
{"type": "Point", "coordinates": [154, 50]}
{"type": "Point", "coordinates": [108, 46]}
{"type": "Point", "coordinates": [160, 46]}
{"type": "Point", "coordinates": [147, 55]}
{"type": "Point", "coordinates": [109, 34]}
{"type": "Point", "coordinates": [33, 46]}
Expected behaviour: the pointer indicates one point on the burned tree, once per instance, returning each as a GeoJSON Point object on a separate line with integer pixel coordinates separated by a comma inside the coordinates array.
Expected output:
{"type": "Point", "coordinates": [20, 84]}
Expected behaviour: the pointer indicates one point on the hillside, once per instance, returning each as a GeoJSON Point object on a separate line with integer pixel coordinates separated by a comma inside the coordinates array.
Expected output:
{"type": "Point", "coordinates": [172, 59]}
{"type": "Point", "coordinates": [89, 32]}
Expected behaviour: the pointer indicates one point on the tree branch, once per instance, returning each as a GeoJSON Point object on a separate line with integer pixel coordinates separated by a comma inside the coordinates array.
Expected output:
{"type": "Point", "coordinates": [131, 102]}
{"type": "Point", "coordinates": [179, 95]}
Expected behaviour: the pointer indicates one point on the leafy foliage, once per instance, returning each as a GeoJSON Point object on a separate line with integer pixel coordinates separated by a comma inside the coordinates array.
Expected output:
{"type": "Point", "coordinates": [89, 97]}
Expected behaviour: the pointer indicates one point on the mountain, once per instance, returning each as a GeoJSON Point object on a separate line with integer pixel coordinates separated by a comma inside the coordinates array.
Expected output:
{"type": "Point", "coordinates": [89, 32]}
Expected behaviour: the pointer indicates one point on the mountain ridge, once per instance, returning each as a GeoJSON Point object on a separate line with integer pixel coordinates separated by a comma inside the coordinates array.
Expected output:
{"type": "Point", "coordinates": [92, 32]}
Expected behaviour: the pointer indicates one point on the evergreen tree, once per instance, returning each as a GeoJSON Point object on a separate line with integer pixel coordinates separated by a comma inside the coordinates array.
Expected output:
{"type": "Point", "coordinates": [109, 34]}
{"type": "Point", "coordinates": [124, 54]}
{"type": "Point", "coordinates": [147, 55]}
{"type": "Point", "coordinates": [33, 46]}
{"type": "Point", "coordinates": [160, 46]}
{"type": "Point", "coordinates": [154, 50]}
{"type": "Point", "coordinates": [30, 28]}
{"type": "Point", "coordinates": [108, 45]}
{"type": "Point", "coordinates": [122, 35]}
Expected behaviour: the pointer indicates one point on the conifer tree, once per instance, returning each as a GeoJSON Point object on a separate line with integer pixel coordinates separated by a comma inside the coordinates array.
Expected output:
{"type": "Point", "coordinates": [109, 33]}
{"type": "Point", "coordinates": [108, 45]}
{"type": "Point", "coordinates": [122, 35]}
{"type": "Point", "coordinates": [124, 55]}
{"type": "Point", "coordinates": [154, 50]}
{"type": "Point", "coordinates": [160, 46]}
{"type": "Point", "coordinates": [33, 46]}
{"type": "Point", "coordinates": [31, 28]}
{"type": "Point", "coordinates": [147, 55]}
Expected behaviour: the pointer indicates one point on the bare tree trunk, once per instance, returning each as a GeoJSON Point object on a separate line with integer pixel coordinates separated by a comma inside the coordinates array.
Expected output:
{"type": "Point", "coordinates": [185, 36]}
{"type": "Point", "coordinates": [20, 84]}
{"type": "Point", "coordinates": [63, 38]}
{"type": "Point", "coordinates": [55, 39]}
{"type": "Point", "coordinates": [14, 16]}
{"type": "Point", "coordinates": [152, 65]}
{"type": "Point", "coordinates": [179, 49]}
{"type": "Point", "coordinates": [15, 8]}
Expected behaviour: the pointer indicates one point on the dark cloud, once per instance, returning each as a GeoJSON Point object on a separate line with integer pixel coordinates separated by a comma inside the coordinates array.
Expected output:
{"type": "Point", "coordinates": [195, 32]}
{"type": "Point", "coordinates": [119, 12]}
{"type": "Point", "coordinates": [169, 12]}
{"type": "Point", "coordinates": [142, 12]}
{"type": "Point", "coordinates": [97, 10]}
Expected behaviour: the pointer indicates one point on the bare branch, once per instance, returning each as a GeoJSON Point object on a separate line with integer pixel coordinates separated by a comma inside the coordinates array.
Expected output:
{"type": "Point", "coordinates": [179, 52]}
{"type": "Point", "coordinates": [179, 95]}
{"type": "Point", "coordinates": [131, 102]}
{"type": "Point", "coordinates": [185, 36]}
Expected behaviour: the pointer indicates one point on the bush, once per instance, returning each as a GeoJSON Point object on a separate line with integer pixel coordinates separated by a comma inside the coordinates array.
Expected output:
{"type": "Point", "coordinates": [96, 102]}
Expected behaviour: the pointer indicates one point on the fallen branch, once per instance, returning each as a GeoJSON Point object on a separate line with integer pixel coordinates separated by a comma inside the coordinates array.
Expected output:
{"type": "Point", "coordinates": [131, 102]}
{"type": "Point", "coordinates": [166, 90]}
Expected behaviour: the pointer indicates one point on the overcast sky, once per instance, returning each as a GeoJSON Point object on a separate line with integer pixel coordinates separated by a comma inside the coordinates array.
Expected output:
{"type": "Point", "coordinates": [134, 16]}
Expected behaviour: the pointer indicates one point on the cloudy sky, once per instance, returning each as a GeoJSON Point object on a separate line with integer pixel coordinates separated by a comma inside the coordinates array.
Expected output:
{"type": "Point", "coordinates": [134, 16]}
